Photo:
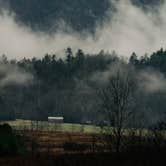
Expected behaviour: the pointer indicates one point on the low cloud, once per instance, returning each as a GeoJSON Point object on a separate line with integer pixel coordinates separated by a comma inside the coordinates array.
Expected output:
{"type": "Point", "coordinates": [147, 80]}
{"type": "Point", "coordinates": [129, 29]}
{"type": "Point", "coordinates": [103, 78]}
{"type": "Point", "coordinates": [13, 75]}
{"type": "Point", "coordinates": [152, 81]}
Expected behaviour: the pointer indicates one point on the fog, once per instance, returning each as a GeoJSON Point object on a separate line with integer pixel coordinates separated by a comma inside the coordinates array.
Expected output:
{"type": "Point", "coordinates": [13, 75]}
{"type": "Point", "coordinates": [131, 29]}
{"type": "Point", "coordinates": [148, 80]}
{"type": "Point", "coordinates": [152, 81]}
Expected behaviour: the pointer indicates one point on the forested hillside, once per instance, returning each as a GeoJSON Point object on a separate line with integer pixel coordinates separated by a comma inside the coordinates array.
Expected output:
{"type": "Point", "coordinates": [79, 14]}
{"type": "Point", "coordinates": [37, 88]}
{"type": "Point", "coordinates": [69, 87]}
{"type": "Point", "coordinates": [46, 15]}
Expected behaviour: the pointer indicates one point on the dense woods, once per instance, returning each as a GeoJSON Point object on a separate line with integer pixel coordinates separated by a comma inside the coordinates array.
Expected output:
{"type": "Point", "coordinates": [71, 86]}
{"type": "Point", "coordinates": [79, 14]}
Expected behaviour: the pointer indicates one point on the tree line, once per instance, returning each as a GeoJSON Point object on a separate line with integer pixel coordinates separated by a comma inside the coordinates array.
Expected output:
{"type": "Point", "coordinates": [83, 87]}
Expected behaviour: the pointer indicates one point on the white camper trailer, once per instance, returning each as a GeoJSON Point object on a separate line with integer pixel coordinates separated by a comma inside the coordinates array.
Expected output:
{"type": "Point", "coordinates": [55, 120]}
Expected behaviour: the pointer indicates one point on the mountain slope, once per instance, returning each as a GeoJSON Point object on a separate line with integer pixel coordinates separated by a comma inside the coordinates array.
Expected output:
{"type": "Point", "coordinates": [79, 14]}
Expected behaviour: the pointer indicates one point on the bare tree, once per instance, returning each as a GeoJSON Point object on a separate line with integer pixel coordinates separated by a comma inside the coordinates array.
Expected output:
{"type": "Point", "coordinates": [117, 100]}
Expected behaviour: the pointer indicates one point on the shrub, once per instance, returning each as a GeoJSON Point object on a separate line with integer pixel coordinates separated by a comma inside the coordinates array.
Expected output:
{"type": "Point", "coordinates": [10, 144]}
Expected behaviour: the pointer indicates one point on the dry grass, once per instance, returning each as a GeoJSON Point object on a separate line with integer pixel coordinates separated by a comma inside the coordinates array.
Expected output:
{"type": "Point", "coordinates": [53, 142]}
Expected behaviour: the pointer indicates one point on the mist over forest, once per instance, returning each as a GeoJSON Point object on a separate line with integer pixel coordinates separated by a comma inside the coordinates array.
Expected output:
{"type": "Point", "coordinates": [57, 56]}
{"type": "Point", "coordinates": [41, 87]}
{"type": "Point", "coordinates": [82, 82]}
{"type": "Point", "coordinates": [34, 29]}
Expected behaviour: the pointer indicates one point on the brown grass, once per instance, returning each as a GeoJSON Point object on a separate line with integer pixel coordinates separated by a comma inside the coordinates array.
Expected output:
{"type": "Point", "coordinates": [53, 142]}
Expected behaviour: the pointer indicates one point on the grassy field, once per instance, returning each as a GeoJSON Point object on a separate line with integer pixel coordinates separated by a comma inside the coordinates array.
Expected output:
{"type": "Point", "coordinates": [45, 126]}
{"type": "Point", "coordinates": [20, 124]}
